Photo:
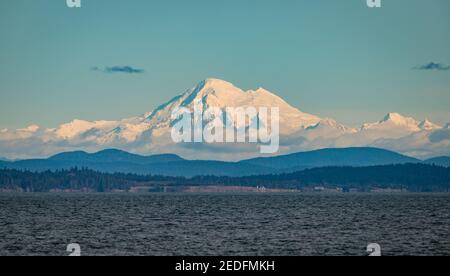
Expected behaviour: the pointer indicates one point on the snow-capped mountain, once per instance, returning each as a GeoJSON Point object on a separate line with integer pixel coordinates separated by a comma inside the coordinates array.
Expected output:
{"type": "Point", "coordinates": [395, 125]}
{"type": "Point", "coordinates": [222, 94]}
{"type": "Point", "coordinates": [394, 121]}
{"type": "Point", "coordinates": [427, 125]}
{"type": "Point", "coordinates": [397, 121]}
{"type": "Point", "coordinates": [151, 132]}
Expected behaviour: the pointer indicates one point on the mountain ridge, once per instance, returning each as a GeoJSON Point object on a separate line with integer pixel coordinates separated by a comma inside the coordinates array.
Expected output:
{"type": "Point", "coordinates": [115, 155]}
{"type": "Point", "coordinates": [118, 161]}
{"type": "Point", "coordinates": [299, 131]}
{"type": "Point", "coordinates": [335, 157]}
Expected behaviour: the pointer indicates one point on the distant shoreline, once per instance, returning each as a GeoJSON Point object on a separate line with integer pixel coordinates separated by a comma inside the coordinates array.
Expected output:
{"type": "Point", "coordinates": [375, 179]}
{"type": "Point", "coordinates": [222, 190]}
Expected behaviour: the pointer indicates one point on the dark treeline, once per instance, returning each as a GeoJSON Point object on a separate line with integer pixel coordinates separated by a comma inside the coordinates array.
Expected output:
{"type": "Point", "coordinates": [409, 177]}
{"type": "Point", "coordinates": [76, 179]}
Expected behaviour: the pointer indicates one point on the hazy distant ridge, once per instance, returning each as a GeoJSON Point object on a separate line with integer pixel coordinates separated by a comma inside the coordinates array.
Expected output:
{"type": "Point", "coordinates": [113, 161]}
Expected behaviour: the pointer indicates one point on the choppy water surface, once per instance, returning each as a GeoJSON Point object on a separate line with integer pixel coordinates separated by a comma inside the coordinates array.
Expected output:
{"type": "Point", "coordinates": [224, 224]}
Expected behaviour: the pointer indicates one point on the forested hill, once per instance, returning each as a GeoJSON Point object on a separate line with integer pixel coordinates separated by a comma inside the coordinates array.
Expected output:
{"type": "Point", "coordinates": [117, 161]}
{"type": "Point", "coordinates": [412, 177]}
{"type": "Point", "coordinates": [408, 177]}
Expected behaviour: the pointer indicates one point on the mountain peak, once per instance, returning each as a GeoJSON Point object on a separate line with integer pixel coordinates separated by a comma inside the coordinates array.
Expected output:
{"type": "Point", "coordinates": [217, 82]}
{"type": "Point", "coordinates": [428, 125]}
{"type": "Point", "coordinates": [395, 117]}
{"type": "Point", "coordinates": [214, 84]}
{"type": "Point", "coordinates": [413, 124]}
{"type": "Point", "coordinates": [73, 155]}
{"type": "Point", "coordinates": [394, 121]}
{"type": "Point", "coordinates": [400, 120]}
{"type": "Point", "coordinates": [222, 94]}
{"type": "Point", "coordinates": [262, 90]}
{"type": "Point", "coordinates": [217, 92]}
{"type": "Point", "coordinates": [206, 88]}
{"type": "Point", "coordinates": [331, 124]}
{"type": "Point", "coordinates": [326, 122]}
{"type": "Point", "coordinates": [218, 85]}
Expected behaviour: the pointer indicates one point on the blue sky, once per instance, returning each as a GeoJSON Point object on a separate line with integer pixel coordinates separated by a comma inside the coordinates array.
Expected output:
{"type": "Point", "coordinates": [332, 58]}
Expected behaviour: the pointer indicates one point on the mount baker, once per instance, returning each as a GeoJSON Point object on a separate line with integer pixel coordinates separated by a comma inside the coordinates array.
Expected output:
{"type": "Point", "coordinates": [299, 131]}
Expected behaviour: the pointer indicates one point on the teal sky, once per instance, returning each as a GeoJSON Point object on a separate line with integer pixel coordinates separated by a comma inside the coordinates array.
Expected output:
{"type": "Point", "coordinates": [332, 58]}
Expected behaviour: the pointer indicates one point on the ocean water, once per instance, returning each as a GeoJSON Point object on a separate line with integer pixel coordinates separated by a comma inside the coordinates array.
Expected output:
{"type": "Point", "coordinates": [224, 224]}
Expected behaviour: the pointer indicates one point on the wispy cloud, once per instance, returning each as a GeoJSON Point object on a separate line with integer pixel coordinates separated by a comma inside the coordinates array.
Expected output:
{"type": "Point", "coordinates": [432, 66]}
{"type": "Point", "coordinates": [119, 69]}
